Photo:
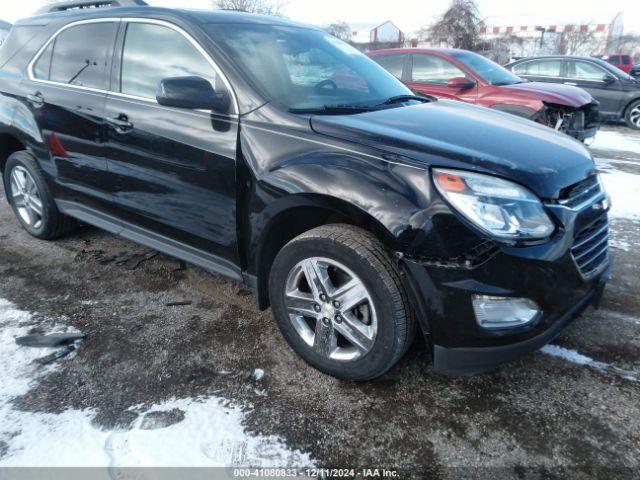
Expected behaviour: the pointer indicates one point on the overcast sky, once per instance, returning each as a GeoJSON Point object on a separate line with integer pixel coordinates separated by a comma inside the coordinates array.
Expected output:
{"type": "Point", "coordinates": [409, 15]}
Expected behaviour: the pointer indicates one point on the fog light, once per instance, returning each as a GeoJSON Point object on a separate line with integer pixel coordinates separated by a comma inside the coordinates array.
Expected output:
{"type": "Point", "coordinates": [504, 312]}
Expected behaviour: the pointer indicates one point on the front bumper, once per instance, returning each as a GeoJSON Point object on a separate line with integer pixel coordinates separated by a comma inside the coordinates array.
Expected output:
{"type": "Point", "coordinates": [581, 124]}
{"type": "Point", "coordinates": [583, 134]}
{"type": "Point", "coordinates": [468, 361]}
{"type": "Point", "coordinates": [547, 273]}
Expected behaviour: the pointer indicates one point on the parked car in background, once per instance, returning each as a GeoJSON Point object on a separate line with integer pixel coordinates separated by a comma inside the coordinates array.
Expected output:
{"type": "Point", "coordinates": [623, 62]}
{"type": "Point", "coordinates": [635, 72]}
{"type": "Point", "coordinates": [469, 77]}
{"type": "Point", "coordinates": [617, 92]}
{"type": "Point", "coordinates": [279, 156]}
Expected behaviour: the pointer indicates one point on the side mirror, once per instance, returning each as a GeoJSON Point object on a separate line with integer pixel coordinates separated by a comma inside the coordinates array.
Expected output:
{"type": "Point", "coordinates": [608, 79]}
{"type": "Point", "coordinates": [461, 83]}
{"type": "Point", "coordinates": [191, 92]}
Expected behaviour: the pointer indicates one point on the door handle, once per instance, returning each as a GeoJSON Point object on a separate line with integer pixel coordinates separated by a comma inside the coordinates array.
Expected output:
{"type": "Point", "coordinates": [571, 83]}
{"type": "Point", "coordinates": [120, 123]}
{"type": "Point", "coordinates": [36, 99]}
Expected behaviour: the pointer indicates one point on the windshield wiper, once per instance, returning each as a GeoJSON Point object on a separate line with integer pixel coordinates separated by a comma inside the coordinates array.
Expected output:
{"type": "Point", "coordinates": [332, 109]}
{"type": "Point", "coordinates": [405, 98]}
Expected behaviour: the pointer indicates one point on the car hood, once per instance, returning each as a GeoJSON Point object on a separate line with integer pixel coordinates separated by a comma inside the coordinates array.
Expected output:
{"type": "Point", "coordinates": [553, 93]}
{"type": "Point", "coordinates": [457, 135]}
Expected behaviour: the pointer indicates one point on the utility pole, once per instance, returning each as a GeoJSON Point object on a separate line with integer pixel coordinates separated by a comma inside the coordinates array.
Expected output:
{"type": "Point", "coordinates": [543, 30]}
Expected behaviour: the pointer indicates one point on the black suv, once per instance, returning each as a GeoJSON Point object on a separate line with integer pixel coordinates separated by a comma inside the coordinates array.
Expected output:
{"type": "Point", "coordinates": [279, 156]}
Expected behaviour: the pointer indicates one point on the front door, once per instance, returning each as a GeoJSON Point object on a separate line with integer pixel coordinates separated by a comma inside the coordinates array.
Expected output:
{"type": "Point", "coordinates": [174, 169]}
{"type": "Point", "coordinates": [602, 85]}
{"type": "Point", "coordinates": [66, 91]}
{"type": "Point", "coordinates": [430, 75]}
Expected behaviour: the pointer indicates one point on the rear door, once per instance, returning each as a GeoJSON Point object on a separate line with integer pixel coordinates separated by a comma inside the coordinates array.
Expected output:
{"type": "Point", "coordinates": [66, 90]}
{"type": "Point", "coordinates": [430, 74]}
{"type": "Point", "coordinates": [173, 169]}
{"type": "Point", "coordinates": [547, 70]}
{"type": "Point", "coordinates": [593, 78]}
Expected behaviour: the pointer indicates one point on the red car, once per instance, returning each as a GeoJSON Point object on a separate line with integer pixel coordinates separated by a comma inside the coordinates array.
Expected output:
{"type": "Point", "coordinates": [623, 62]}
{"type": "Point", "coordinates": [469, 77]}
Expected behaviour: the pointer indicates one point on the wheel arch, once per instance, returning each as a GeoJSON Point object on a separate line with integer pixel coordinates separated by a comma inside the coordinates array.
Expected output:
{"type": "Point", "coordinates": [9, 144]}
{"type": "Point", "coordinates": [295, 215]}
{"type": "Point", "coordinates": [628, 105]}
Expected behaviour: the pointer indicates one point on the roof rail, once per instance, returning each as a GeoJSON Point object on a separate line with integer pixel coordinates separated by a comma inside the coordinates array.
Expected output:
{"type": "Point", "coordinates": [74, 5]}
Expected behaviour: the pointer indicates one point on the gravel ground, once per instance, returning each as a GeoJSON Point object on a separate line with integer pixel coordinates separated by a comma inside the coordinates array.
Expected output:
{"type": "Point", "coordinates": [544, 416]}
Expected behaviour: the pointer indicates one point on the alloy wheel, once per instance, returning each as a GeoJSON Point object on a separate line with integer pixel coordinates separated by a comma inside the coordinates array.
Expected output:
{"type": "Point", "coordinates": [331, 309]}
{"type": "Point", "coordinates": [634, 116]}
{"type": "Point", "coordinates": [26, 197]}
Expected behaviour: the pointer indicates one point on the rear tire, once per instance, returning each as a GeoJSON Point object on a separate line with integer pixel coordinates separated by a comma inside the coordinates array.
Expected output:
{"type": "Point", "coordinates": [632, 115]}
{"type": "Point", "coordinates": [365, 335]}
{"type": "Point", "coordinates": [31, 200]}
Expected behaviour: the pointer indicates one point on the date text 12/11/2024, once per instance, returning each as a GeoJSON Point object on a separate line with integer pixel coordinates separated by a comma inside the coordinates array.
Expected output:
{"type": "Point", "coordinates": [315, 473]}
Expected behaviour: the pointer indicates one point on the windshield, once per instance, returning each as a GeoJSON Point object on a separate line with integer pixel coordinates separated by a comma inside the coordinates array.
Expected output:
{"type": "Point", "coordinates": [305, 69]}
{"type": "Point", "coordinates": [489, 71]}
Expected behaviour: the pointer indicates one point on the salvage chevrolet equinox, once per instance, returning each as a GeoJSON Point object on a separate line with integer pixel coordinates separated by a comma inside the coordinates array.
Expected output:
{"type": "Point", "coordinates": [279, 156]}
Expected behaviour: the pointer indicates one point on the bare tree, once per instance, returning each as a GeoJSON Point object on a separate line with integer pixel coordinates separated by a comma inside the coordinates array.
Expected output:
{"type": "Point", "coordinates": [501, 49]}
{"type": "Point", "coordinates": [342, 30]}
{"type": "Point", "coordinates": [629, 44]}
{"type": "Point", "coordinates": [263, 7]}
{"type": "Point", "coordinates": [578, 41]}
{"type": "Point", "coordinates": [458, 27]}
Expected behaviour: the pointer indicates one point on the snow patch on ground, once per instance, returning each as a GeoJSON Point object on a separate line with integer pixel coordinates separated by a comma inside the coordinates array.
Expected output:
{"type": "Point", "coordinates": [206, 431]}
{"type": "Point", "coordinates": [624, 189]}
{"type": "Point", "coordinates": [623, 238]}
{"type": "Point", "coordinates": [620, 244]}
{"type": "Point", "coordinates": [607, 140]}
{"type": "Point", "coordinates": [575, 357]}
{"type": "Point", "coordinates": [569, 355]}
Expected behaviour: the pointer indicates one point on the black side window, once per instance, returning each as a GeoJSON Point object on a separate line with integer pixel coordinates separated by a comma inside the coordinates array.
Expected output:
{"type": "Point", "coordinates": [394, 64]}
{"type": "Point", "coordinates": [153, 52]}
{"type": "Point", "coordinates": [585, 71]}
{"type": "Point", "coordinates": [542, 68]}
{"type": "Point", "coordinates": [80, 56]}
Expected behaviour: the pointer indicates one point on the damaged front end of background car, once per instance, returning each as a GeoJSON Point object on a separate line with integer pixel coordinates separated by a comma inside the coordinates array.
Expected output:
{"type": "Point", "coordinates": [581, 123]}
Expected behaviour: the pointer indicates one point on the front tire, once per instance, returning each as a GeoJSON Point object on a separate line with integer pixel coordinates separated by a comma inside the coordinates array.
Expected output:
{"type": "Point", "coordinates": [31, 199]}
{"type": "Point", "coordinates": [632, 115]}
{"type": "Point", "coordinates": [339, 302]}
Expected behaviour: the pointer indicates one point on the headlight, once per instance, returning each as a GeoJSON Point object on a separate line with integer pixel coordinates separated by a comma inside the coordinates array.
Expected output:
{"type": "Point", "coordinates": [500, 208]}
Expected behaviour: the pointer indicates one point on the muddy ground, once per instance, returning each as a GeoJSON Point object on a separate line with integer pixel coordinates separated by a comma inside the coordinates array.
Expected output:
{"type": "Point", "coordinates": [540, 417]}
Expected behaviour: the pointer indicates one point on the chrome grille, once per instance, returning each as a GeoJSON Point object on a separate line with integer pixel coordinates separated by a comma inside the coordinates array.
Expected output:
{"type": "Point", "coordinates": [581, 192]}
{"type": "Point", "coordinates": [591, 246]}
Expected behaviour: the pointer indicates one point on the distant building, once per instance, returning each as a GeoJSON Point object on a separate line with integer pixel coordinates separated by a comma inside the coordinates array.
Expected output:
{"type": "Point", "coordinates": [4, 30]}
{"type": "Point", "coordinates": [530, 35]}
{"type": "Point", "coordinates": [374, 35]}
